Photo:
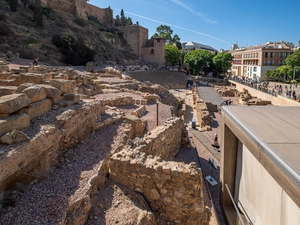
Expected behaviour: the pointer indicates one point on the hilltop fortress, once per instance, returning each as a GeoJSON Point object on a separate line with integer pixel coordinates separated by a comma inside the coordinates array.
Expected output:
{"type": "Point", "coordinates": [148, 50]}
{"type": "Point", "coordinates": [81, 9]}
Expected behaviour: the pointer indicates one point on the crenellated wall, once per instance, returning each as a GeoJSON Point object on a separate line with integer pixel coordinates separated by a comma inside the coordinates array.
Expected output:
{"type": "Point", "coordinates": [81, 9]}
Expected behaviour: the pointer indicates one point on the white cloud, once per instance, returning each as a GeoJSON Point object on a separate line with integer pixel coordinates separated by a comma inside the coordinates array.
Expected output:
{"type": "Point", "coordinates": [182, 28]}
{"type": "Point", "coordinates": [191, 10]}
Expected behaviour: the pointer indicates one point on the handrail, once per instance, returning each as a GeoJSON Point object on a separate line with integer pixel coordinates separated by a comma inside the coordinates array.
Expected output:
{"type": "Point", "coordinates": [236, 209]}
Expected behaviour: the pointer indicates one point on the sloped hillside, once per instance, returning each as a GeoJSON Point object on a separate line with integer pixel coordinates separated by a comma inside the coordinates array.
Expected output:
{"type": "Point", "coordinates": [19, 33]}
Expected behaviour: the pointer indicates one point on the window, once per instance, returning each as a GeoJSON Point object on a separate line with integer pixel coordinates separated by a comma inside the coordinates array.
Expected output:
{"type": "Point", "coordinates": [256, 55]}
{"type": "Point", "coordinates": [271, 54]}
{"type": "Point", "coordinates": [158, 40]}
{"type": "Point", "coordinates": [266, 62]}
{"type": "Point", "coordinates": [266, 55]}
{"type": "Point", "coordinates": [254, 69]}
{"type": "Point", "coordinates": [152, 51]}
{"type": "Point", "coordinates": [272, 62]}
{"type": "Point", "coordinates": [281, 62]}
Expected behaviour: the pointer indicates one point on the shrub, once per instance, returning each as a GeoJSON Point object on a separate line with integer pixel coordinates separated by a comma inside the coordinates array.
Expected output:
{"type": "Point", "coordinates": [94, 19]}
{"type": "Point", "coordinates": [79, 21]}
{"type": "Point", "coordinates": [74, 52]}
{"type": "Point", "coordinates": [56, 40]}
{"type": "Point", "coordinates": [47, 11]}
{"type": "Point", "coordinates": [27, 53]}
{"type": "Point", "coordinates": [30, 41]}
{"type": "Point", "coordinates": [2, 16]}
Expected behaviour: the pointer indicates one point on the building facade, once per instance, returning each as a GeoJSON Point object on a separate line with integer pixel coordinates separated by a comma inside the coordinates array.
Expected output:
{"type": "Point", "coordinates": [148, 50]}
{"type": "Point", "coordinates": [154, 51]}
{"type": "Point", "coordinates": [253, 62]}
{"type": "Point", "coordinates": [260, 167]}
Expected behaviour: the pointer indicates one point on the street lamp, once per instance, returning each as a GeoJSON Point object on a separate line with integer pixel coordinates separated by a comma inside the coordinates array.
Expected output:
{"type": "Point", "coordinates": [293, 81]}
{"type": "Point", "coordinates": [157, 112]}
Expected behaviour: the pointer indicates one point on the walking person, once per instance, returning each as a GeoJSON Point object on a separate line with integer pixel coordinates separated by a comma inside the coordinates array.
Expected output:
{"type": "Point", "coordinates": [215, 143]}
{"type": "Point", "coordinates": [35, 61]}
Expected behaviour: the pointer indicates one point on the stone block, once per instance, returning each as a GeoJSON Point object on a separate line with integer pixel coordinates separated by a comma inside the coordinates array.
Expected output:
{"type": "Point", "coordinates": [37, 108]}
{"type": "Point", "coordinates": [71, 96]}
{"type": "Point", "coordinates": [27, 78]}
{"type": "Point", "coordinates": [7, 90]}
{"type": "Point", "coordinates": [14, 137]}
{"type": "Point", "coordinates": [51, 92]}
{"type": "Point", "coordinates": [64, 86]}
{"type": "Point", "coordinates": [5, 75]}
{"type": "Point", "coordinates": [14, 122]}
{"type": "Point", "coordinates": [12, 103]}
{"type": "Point", "coordinates": [35, 93]}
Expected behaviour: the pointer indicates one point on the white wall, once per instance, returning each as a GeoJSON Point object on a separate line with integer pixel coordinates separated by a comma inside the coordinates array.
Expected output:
{"type": "Point", "coordinates": [262, 198]}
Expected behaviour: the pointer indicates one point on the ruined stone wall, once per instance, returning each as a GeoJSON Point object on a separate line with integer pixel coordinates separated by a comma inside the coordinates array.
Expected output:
{"type": "Point", "coordinates": [164, 141]}
{"type": "Point", "coordinates": [173, 189]}
{"type": "Point", "coordinates": [61, 6]}
{"type": "Point", "coordinates": [30, 160]}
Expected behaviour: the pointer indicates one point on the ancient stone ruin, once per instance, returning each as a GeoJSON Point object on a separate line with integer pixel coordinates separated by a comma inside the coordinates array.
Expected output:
{"type": "Point", "coordinates": [47, 114]}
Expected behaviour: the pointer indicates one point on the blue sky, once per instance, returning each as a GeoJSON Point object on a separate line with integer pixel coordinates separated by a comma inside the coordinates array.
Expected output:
{"type": "Point", "coordinates": [216, 23]}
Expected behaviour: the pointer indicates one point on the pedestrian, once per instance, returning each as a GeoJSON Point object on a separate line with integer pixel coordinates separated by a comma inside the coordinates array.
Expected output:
{"type": "Point", "coordinates": [215, 143]}
{"type": "Point", "coordinates": [35, 61]}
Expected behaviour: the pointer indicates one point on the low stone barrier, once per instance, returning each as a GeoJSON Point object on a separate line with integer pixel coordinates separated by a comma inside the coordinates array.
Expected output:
{"type": "Point", "coordinates": [174, 189]}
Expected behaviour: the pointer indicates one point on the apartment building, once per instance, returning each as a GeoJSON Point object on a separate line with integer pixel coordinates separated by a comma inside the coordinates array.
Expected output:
{"type": "Point", "coordinates": [253, 62]}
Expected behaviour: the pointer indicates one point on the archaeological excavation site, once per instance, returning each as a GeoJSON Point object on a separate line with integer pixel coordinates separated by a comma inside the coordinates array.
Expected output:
{"type": "Point", "coordinates": [95, 148]}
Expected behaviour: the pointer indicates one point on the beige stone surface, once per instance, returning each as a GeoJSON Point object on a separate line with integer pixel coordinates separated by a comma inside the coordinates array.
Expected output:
{"type": "Point", "coordinates": [35, 93]}
{"type": "Point", "coordinates": [37, 108]}
{"type": "Point", "coordinates": [7, 90]}
{"type": "Point", "coordinates": [13, 137]}
{"type": "Point", "coordinates": [14, 122]}
{"type": "Point", "coordinates": [12, 103]}
{"type": "Point", "coordinates": [65, 86]}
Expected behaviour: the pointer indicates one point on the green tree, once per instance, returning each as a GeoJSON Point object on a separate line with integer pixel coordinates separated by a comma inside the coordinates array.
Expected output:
{"type": "Point", "coordinates": [293, 59]}
{"type": "Point", "coordinates": [222, 62]}
{"type": "Point", "coordinates": [293, 62]}
{"type": "Point", "coordinates": [38, 13]}
{"type": "Point", "coordinates": [199, 61]}
{"type": "Point", "coordinates": [117, 21]}
{"type": "Point", "coordinates": [172, 54]}
{"type": "Point", "coordinates": [13, 5]}
{"type": "Point", "coordinates": [166, 32]}
{"type": "Point", "coordinates": [123, 18]}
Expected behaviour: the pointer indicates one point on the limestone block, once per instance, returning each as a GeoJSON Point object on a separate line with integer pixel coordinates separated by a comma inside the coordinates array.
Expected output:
{"type": "Point", "coordinates": [14, 122]}
{"type": "Point", "coordinates": [56, 99]}
{"type": "Point", "coordinates": [37, 108]}
{"type": "Point", "coordinates": [22, 87]}
{"type": "Point", "coordinates": [14, 102]}
{"type": "Point", "coordinates": [27, 78]}
{"type": "Point", "coordinates": [35, 93]}
{"type": "Point", "coordinates": [14, 137]}
{"type": "Point", "coordinates": [7, 90]}
{"type": "Point", "coordinates": [71, 96]}
{"type": "Point", "coordinates": [5, 75]}
{"type": "Point", "coordinates": [51, 92]}
{"type": "Point", "coordinates": [64, 86]}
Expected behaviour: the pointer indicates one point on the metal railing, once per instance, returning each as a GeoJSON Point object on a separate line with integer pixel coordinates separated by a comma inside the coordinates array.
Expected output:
{"type": "Point", "coordinates": [236, 207]}
{"type": "Point", "coordinates": [256, 86]}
